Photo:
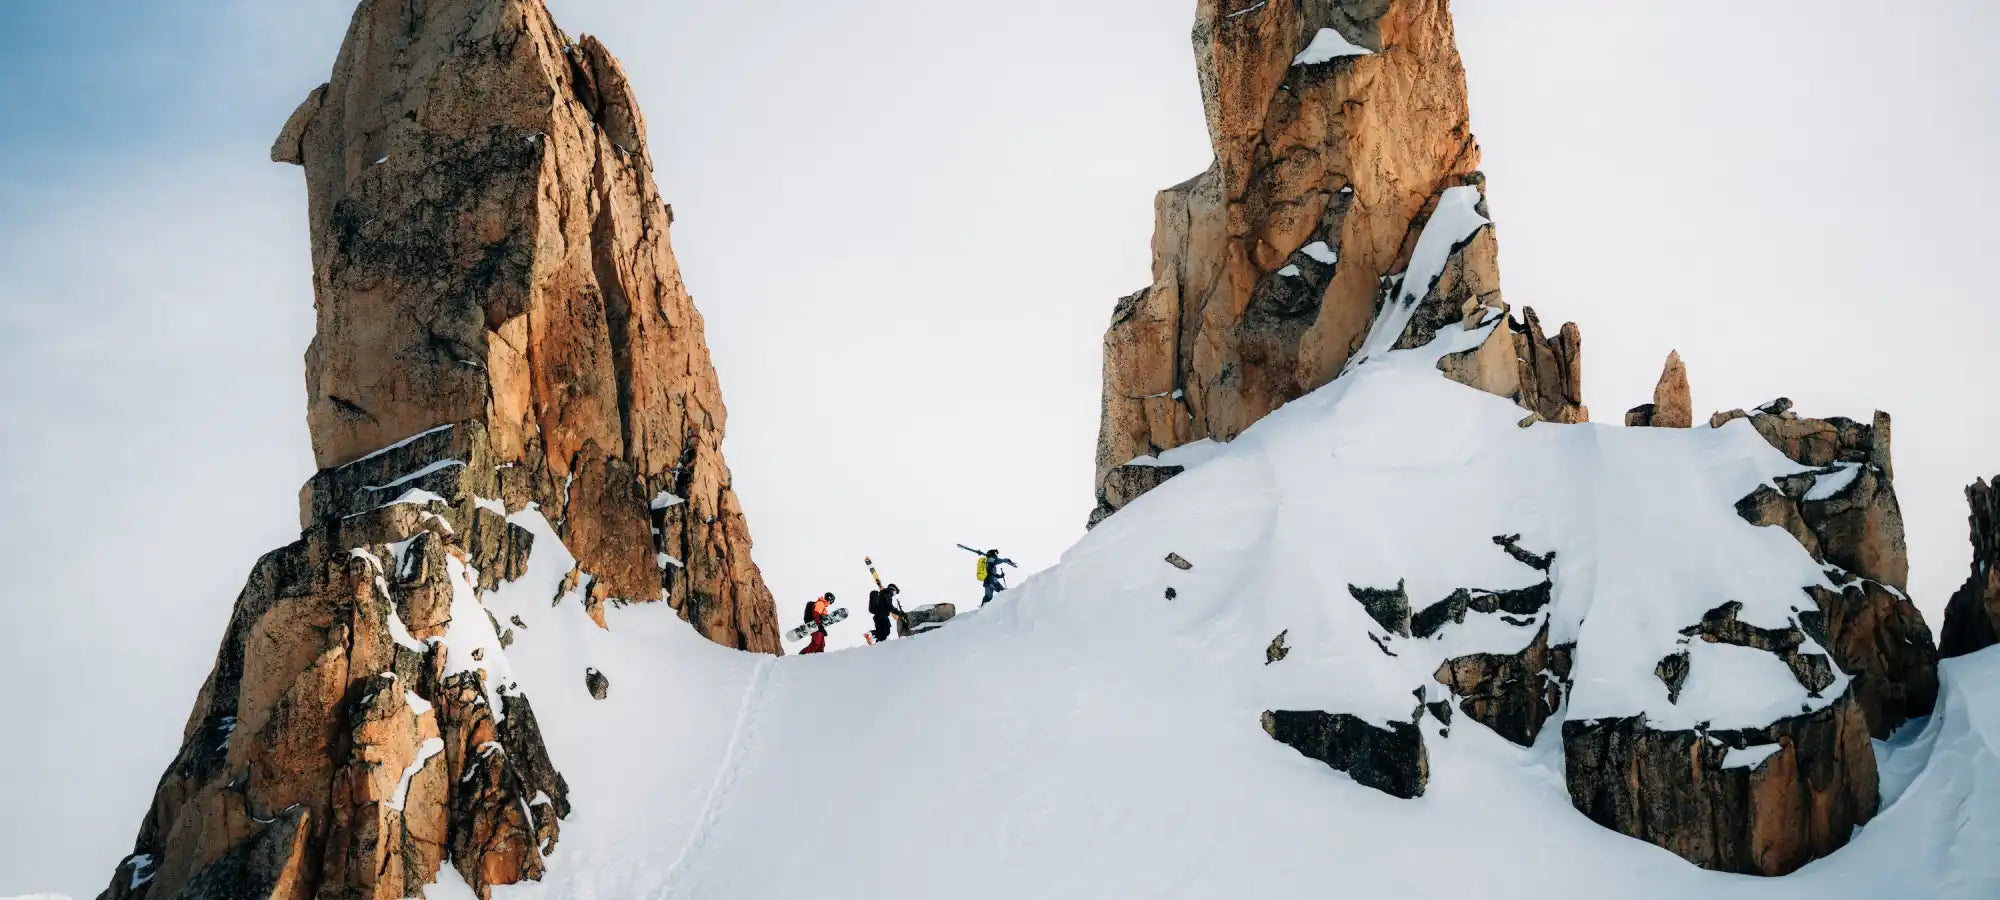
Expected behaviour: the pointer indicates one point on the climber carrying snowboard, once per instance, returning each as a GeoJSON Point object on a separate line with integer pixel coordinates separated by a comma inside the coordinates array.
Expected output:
{"type": "Point", "coordinates": [882, 604]}
{"type": "Point", "coordinates": [815, 619]}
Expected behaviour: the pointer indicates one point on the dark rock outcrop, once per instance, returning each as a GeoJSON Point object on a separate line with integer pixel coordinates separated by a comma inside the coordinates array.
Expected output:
{"type": "Point", "coordinates": [1514, 694]}
{"type": "Point", "coordinates": [1972, 618]}
{"type": "Point", "coordinates": [1390, 608]}
{"type": "Point", "coordinates": [1721, 626]}
{"type": "Point", "coordinates": [1390, 760]}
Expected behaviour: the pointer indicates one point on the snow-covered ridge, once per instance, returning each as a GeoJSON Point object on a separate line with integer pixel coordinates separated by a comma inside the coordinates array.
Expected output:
{"type": "Point", "coordinates": [1094, 690]}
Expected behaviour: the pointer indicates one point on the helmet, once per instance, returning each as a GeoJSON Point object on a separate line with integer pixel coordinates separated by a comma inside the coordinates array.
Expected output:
{"type": "Point", "coordinates": [829, 596]}
{"type": "Point", "coordinates": [992, 553]}
{"type": "Point", "coordinates": [893, 589]}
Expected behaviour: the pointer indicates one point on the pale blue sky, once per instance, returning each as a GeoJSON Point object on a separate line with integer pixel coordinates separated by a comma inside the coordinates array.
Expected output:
{"type": "Point", "coordinates": [896, 217]}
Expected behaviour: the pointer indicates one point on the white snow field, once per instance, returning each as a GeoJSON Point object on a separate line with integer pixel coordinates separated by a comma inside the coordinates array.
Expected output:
{"type": "Point", "coordinates": [1085, 737]}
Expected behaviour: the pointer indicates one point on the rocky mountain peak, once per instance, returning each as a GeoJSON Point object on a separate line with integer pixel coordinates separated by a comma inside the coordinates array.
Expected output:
{"type": "Point", "coordinates": [489, 246]}
{"type": "Point", "coordinates": [507, 367]}
{"type": "Point", "coordinates": [1339, 129]}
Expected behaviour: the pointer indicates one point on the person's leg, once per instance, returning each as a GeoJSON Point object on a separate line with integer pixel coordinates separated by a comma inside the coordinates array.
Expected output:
{"type": "Point", "coordinates": [990, 588]}
{"type": "Point", "coordinates": [817, 645]}
{"type": "Point", "coordinates": [881, 628]}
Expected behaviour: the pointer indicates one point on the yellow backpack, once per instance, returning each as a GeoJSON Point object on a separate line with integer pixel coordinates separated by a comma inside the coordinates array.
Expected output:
{"type": "Point", "coordinates": [982, 570]}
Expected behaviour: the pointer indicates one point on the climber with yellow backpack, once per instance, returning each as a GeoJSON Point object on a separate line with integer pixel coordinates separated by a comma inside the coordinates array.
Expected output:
{"type": "Point", "coordinates": [989, 573]}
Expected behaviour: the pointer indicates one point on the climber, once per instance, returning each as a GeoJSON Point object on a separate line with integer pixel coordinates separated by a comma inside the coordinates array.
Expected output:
{"type": "Point", "coordinates": [816, 610]}
{"type": "Point", "coordinates": [882, 604]}
{"type": "Point", "coordinates": [991, 576]}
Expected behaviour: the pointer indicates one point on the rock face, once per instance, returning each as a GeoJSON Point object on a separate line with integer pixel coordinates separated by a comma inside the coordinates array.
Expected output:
{"type": "Point", "coordinates": [1972, 619]}
{"type": "Point", "coordinates": [1513, 694]}
{"type": "Point", "coordinates": [503, 338]}
{"type": "Point", "coordinates": [1761, 801]}
{"type": "Point", "coordinates": [354, 735]}
{"type": "Point", "coordinates": [489, 245]}
{"type": "Point", "coordinates": [1338, 129]}
{"type": "Point", "coordinates": [1845, 514]}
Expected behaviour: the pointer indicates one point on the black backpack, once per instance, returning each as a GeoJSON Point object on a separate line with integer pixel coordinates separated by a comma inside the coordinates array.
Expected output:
{"type": "Point", "coordinates": [808, 617]}
{"type": "Point", "coordinates": [878, 603]}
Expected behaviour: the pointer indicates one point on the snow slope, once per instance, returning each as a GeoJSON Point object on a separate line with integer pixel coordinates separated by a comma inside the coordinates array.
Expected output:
{"type": "Point", "coordinates": [1086, 737]}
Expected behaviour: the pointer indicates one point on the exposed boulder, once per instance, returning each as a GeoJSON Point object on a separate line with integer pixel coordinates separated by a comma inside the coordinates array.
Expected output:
{"type": "Point", "coordinates": [1269, 266]}
{"type": "Point", "coordinates": [1390, 608]}
{"type": "Point", "coordinates": [1972, 618]}
{"type": "Point", "coordinates": [595, 682]}
{"type": "Point", "coordinates": [1276, 650]}
{"type": "Point", "coordinates": [1391, 760]}
{"type": "Point", "coordinates": [1762, 801]}
{"type": "Point", "coordinates": [1672, 407]}
{"type": "Point", "coordinates": [1513, 694]}
{"type": "Point", "coordinates": [927, 618]}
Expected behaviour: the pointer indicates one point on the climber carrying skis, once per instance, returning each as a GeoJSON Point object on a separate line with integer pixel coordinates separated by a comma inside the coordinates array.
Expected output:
{"type": "Point", "coordinates": [882, 604]}
{"type": "Point", "coordinates": [989, 573]}
{"type": "Point", "coordinates": [816, 610]}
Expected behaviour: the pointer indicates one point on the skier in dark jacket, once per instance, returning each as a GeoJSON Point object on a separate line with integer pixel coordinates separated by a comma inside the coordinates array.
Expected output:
{"type": "Point", "coordinates": [995, 582]}
{"type": "Point", "coordinates": [816, 611]}
{"type": "Point", "coordinates": [882, 604]}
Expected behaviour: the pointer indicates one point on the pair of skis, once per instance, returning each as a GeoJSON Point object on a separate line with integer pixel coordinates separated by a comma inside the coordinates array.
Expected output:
{"type": "Point", "coordinates": [869, 561]}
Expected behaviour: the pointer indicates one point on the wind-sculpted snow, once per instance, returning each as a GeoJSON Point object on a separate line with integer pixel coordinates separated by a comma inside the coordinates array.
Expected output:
{"type": "Point", "coordinates": [1086, 737]}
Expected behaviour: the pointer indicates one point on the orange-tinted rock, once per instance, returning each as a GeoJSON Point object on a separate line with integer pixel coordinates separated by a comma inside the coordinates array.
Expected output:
{"type": "Point", "coordinates": [1769, 817]}
{"type": "Point", "coordinates": [489, 246]}
{"type": "Point", "coordinates": [1672, 407]}
{"type": "Point", "coordinates": [1268, 266]}
{"type": "Point", "coordinates": [1846, 515]}
{"type": "Point", "coordinates": [500, 323]}
{"type": "Point", "coordinates": [314, 707]}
